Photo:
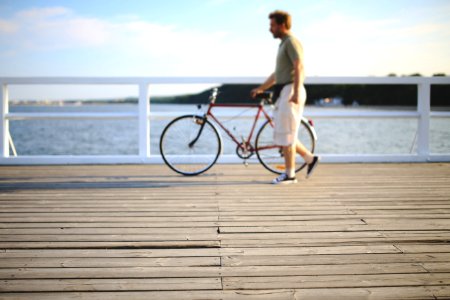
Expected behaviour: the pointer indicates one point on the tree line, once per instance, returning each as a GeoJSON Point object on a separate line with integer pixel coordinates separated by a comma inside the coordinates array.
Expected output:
{"type": "Point", "coordinates": [363, 94]}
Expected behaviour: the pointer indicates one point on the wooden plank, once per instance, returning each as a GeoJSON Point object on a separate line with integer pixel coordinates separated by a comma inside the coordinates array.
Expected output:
{"type": "Point", "coordinates": [111, 273]}
{"type": "Point", "coordinates": [191, 272]}
{"type": "Point", "coordinates": [166, 224]}
{"type": "Point", "coordinates": [159, 295]}
{"type": "Point", "coordinates": [387, 293]}
{"type": "Point", "coordinates": [148, 214]}
{"type": "Point", "coordinates": [107, 262]}
{"type": "Point", "coordinates": [338, 235]}
{"type": "Point", "coordinates": [345, 281]}
{"type": "Point", "coordinates": [141, 284]}
{"type": "Point", "coordinates": [194, 252]}
{"type": "Point", "coordinates": [320, 250]}
{"type": "Point", "coordinates": [270, 222]}
{"type": "Point", "coordinates": [423, 248]}
{"type": "Point", "coordinates": [174, 224]}
{"type": "Point", "coordinates": [109, 209]}
{"type": "Point", "coordinates": [109, 237]}
{"type": "Point", "coordinates": [432, 267]}
{"type": "Point", "coordinates": [297, 242]}
{"type": "Point", "coordinates": [109, 244]}
{"type": "Point", "coordinates": [340, 259]}
{"type": "Point", "coordinates": [331, 218]}
{"type": "Point", "coordinates": [112, 253]}
{"type": "Point", "coordinates": [99, 218]}
{"type": "Point", "coordinates": [407, 221]}
{"type": "Point", "coordinates": [169, 232]}
{"type": "Point", "coordinates": [275, 228]}
{"type": "Point", "coordinates": [442, 293]}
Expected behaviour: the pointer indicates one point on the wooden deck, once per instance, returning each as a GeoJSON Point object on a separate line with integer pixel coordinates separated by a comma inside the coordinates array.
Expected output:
{"type": "Point", "coordinates": [378, 231]}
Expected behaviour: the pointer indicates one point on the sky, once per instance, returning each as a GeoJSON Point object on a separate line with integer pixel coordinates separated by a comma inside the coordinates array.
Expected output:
{"type": "Point", "coordinates": [220, 37]}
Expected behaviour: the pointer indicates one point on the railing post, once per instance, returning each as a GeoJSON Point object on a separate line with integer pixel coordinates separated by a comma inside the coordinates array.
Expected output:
{"type": "Point", "coordinates": [424, 107]}
{"type": "Point", "coordinates": [4, 124]}
{"type": "Point", "coordinates": [144, 126]}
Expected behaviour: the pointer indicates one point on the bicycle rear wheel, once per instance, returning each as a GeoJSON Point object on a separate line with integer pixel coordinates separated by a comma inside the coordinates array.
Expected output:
{"type": "Point", "coordinates": [271, 156]}
{"type": "Point", "coordinates": [190, 145]}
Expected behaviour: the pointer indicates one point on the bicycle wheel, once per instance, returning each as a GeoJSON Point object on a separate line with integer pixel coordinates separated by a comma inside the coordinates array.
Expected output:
{"type": "Point", "coordinates": [190, 145]}
{"type": "Point", "coordinates": [271, 156]}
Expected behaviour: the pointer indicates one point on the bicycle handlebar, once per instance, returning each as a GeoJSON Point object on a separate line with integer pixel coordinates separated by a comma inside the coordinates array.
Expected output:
{"type": "Point", "coordinates": [265, 96]}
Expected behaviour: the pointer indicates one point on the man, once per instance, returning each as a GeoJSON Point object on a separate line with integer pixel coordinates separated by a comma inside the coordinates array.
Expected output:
{"type": "Point", "coordinates": [290, 95]}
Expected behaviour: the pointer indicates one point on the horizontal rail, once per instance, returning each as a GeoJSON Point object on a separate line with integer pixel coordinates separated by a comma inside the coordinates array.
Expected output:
{"type": "Point", "coordinates": [215, 80]}
{"type": "Point", "coordinates": [166, 115]}
{"type": "Point", "coordinates": [440, 114]}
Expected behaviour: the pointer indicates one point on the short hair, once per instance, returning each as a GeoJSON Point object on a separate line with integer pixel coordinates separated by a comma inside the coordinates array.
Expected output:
{"type": "Point", "coordinates": [281, 17]}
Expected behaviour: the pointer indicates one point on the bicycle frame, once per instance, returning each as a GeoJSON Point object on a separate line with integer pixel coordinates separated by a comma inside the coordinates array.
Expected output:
{"type": "Point", "coordinates": [245, 145]}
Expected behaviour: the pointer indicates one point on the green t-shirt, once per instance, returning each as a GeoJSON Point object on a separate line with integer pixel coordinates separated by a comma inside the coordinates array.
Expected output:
{"type": "Point", "coordinates": [289, 51]}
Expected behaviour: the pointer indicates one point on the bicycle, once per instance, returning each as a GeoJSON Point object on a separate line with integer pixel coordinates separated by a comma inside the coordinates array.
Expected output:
{"type": "Point", "coordinates": [191, 144]}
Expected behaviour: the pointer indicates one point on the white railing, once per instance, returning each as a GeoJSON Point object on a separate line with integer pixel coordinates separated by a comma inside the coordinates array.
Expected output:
{"type": "Point", "coordinates": [423, 114]}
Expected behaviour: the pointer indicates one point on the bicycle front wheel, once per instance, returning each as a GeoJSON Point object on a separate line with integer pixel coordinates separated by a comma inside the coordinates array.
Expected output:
{"type": "Point", "coordinates": [271, 156]}
{"type": "Point", "coordinates": [190, 145]}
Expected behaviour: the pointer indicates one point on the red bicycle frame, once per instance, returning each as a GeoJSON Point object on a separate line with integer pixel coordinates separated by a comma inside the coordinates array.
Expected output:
{"type": "Point", "coordinates": [245, 145]}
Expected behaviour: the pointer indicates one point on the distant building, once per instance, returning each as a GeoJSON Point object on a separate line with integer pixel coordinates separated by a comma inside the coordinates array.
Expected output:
{"type": "Point", "coordinates": [330, 102]}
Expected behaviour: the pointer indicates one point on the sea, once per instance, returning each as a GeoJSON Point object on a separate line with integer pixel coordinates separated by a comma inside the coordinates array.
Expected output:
{"type": "Point", "coordinates": [120, 137]}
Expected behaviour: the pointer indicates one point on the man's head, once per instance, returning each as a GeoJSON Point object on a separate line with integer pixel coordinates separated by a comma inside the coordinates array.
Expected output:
{"type": "Point", "coordinates": [280, 23]}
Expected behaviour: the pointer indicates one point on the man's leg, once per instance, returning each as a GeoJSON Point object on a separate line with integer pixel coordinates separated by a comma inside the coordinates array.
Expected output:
{"type": "Point", "coordinates": [309, 158]}
{"type": "Point", "coordinates": [289, 159]}
{"type": "Point", "coordinates": [305, 153]}
{"type": "Point", "coordinates": [289, 162]}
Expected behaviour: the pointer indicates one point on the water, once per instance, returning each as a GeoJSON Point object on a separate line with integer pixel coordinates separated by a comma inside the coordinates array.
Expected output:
{"type": "Point", "coordinates": [120, 137]}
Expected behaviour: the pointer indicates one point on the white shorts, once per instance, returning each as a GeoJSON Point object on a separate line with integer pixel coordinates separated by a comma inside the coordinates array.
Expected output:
{"type": "Point", "coordinates": [287, 116]}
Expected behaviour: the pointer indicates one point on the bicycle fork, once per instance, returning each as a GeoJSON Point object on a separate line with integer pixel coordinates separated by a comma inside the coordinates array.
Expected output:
{"type": "Point", "coordinates": [200, 121]}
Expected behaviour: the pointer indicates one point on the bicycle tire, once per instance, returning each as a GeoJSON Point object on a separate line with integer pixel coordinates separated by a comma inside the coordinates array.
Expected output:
{"type": "Point", "coordinates": [270, 155]}
{"type": "Point", "coordinates": [185, 159]}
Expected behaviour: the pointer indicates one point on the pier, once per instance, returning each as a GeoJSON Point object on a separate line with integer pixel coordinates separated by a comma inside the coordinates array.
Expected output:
{"type": "Point", "coordinates": [352, 231]}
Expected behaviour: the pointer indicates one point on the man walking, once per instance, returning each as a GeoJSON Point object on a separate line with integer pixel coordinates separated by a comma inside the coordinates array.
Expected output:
{"type": "Point", "coordinates": [290, 95]}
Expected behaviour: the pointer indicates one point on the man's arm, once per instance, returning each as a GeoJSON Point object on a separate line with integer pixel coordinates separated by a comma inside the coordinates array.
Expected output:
{"type": "Point", "coordinates": [270, 81]}
{"type": "Point", "coordinates": [298, 81]}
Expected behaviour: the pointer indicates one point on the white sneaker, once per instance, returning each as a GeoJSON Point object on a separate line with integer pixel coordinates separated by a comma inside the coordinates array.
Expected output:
{"type": "Point", "coordinates": [284, 179]}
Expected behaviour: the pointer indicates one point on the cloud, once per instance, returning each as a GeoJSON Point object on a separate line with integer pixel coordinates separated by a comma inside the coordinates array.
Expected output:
{"type": "Point", "coordinates": [52, 28]}
{"type": "Point", "coordinates": [7, 27]}
{"type": "Point", "coordinates": [59, 28]}
{"type": "Point", "coordinates": [43, 13]}
{"type": "Point", "coordinates": [129, 45]}
{"type": "Point", "coordinates": [345, 45]}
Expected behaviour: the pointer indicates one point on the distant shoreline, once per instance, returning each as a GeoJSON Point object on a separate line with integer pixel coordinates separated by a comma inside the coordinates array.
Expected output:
{"type": "Point", "coordinates": [312, 104]}
{"type": "Point", "coordinates": [348, 95]}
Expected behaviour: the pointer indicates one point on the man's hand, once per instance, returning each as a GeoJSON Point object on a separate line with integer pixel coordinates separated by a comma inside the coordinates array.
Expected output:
{"type": "Point", "coordinates": [260, 89]}
{"type": "Point", "coordinates": [295, 98]}
{"type": "Point", "coordinates": [255, 92]}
